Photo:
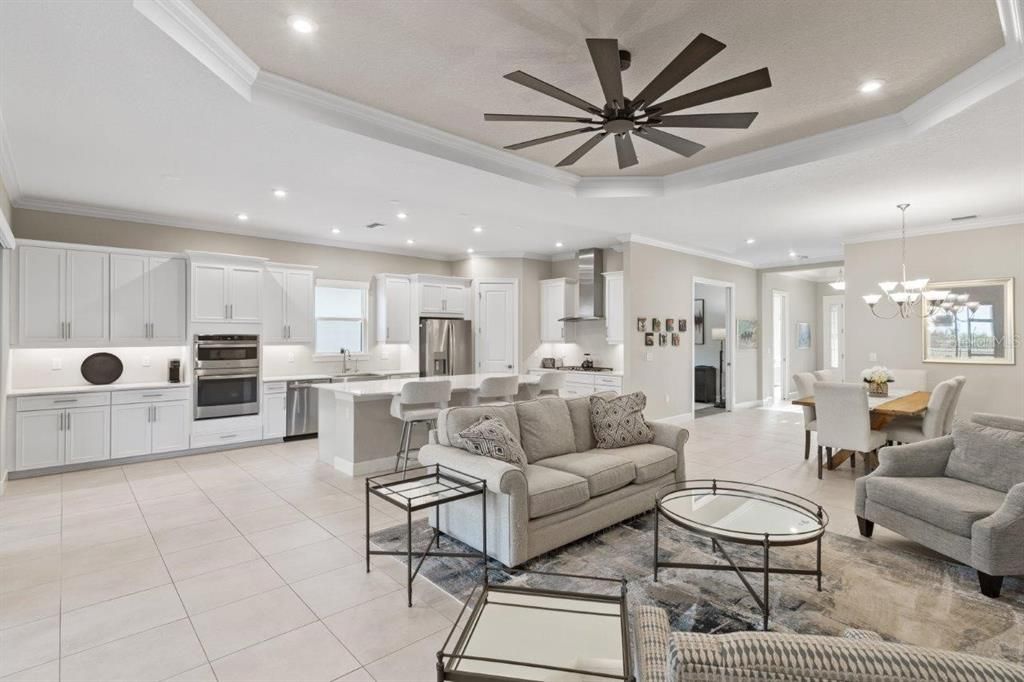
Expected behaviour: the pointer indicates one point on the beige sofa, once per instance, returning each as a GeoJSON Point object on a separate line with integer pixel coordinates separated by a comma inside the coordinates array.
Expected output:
{"type": "Point", "coordinates": [569, 489]}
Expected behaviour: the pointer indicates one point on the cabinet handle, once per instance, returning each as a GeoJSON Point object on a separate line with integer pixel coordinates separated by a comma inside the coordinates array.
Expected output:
{"type": "Point", "coordinates": [67, 421]}
{"type": "Point", "coordinates": [230, 435]}
{"type": "Point", "coordinates": [69, 329]}
{"type": "Point", "coordinates": [225, 311]}
{"type": "Point", "coordinates": [152, 395]}
{"type": "Point", "coordinates": [231, 309]}
{"type": "Point", "coordinates": [60, 424]}
{"type": "Point", "coordinates": [65, 400]}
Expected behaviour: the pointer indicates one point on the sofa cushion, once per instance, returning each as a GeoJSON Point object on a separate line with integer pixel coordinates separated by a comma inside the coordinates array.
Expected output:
{"type": "Point", "coordinates": [551, 490]}
{"type": "Point", "coordinates": [987, 455]}
{"type": "Point", "coordinates": [545, 429]}
{"type": "Point", "coordinates": [651, 461]}
{"type": "Point", "coordinates": [619, 421]}
{"type": "Point", "coordinates": [489, 437]}
{"type": "Point", "coordinates": [949, 503]}
{"type": "Point", "coordinates": [579, 414]}
{"type": "Point", "coordinates": [453, 420]}
{"type": "Point", "coordinates": [604, 472]}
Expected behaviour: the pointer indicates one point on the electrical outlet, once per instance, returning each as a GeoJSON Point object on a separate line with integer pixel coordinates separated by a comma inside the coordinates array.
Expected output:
{"type": "Point", "coordinates": [145, 361]}
{"type": "Point", "coordinates": [873, 357]}
{"type": "Point", "coordinates": [56, 364]}
{"type": "Point", "coordinates": [291, 357]}
{"type": "Point", "coordinates": [667, 399]}
{"type": "Point", "coordinates": [384, 355]}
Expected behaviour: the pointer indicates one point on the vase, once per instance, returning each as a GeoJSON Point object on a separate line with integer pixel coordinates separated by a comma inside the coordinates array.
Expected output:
{"type": "Point", "coordinates": [878, 388]}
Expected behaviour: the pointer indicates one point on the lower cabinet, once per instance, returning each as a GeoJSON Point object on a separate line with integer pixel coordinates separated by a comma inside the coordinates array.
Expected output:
{"type": "Point", "coordinates": [149, 428]}
{"type": "Point", "coordinates": [275, 404]}
{"type": "Point", "coordinates": [55, 437]}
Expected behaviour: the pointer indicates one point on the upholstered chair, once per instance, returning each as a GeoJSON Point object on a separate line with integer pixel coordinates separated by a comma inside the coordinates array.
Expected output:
{"type": "Point", "coordinates": [551, 383]}
{"type": "Point", "coordinates": [418, 403]}
{"type": "Point", "coordinates": [497, 390]}
{"type": "Point", "coordinates": [804, 382]}
{"type": "Point", "coordinates": [910, 379]}
{"type": "Point", "coordinates": [827, 375]}
{"type": "Point", "coordinates": [844, 422]}
{"type": "Point", "coordinates": [937, 420]}
{"type": "Point", "coordinates": [961, 495]}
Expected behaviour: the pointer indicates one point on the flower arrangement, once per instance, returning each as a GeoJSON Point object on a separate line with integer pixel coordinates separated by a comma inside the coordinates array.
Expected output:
{"type": "Point", "coordinates": [878, 379]}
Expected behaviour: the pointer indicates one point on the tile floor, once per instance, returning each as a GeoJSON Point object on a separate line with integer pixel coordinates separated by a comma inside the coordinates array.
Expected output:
{"type": "Point", "coordinates": [247, 564]}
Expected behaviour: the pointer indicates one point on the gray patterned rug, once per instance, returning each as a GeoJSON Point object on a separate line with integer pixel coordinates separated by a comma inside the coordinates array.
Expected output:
{"type": "Point", "coordinates": [904, 596]}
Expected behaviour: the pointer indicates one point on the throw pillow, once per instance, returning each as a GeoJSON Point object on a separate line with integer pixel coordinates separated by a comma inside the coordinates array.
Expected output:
{"type": "Point", "coordinates": [490, 437]}
{"type": "Point", "coordinates": [619, 421]}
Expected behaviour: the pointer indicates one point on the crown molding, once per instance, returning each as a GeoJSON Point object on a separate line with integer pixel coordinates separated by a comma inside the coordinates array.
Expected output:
{"type": "Point", "coordinates": [940, 228]}
{"type": "Point", "coordinates": [670, 246]}
{"type": "Point", "coordinates": [1011, 17]}
{"type": "Point", "coordinates": [8, 174]}
{"type": "Point", "coordinates": [186, 25]}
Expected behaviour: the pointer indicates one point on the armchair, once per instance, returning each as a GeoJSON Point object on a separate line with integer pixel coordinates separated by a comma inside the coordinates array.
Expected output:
{"type": "Point", "coordinates": [961, 495]}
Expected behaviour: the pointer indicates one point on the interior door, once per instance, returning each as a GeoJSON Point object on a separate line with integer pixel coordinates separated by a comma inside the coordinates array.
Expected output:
{"type": "Point", "coordinates": [834, 334]}
{"type": "Point", "coordinates": [167, 300]}
{"type": "Point", "coordinates": [495, 327]}
{"type": "Point", "coordinates": [88, 297]}
{"type": "Point", "coordinates": [129, 296]}
{"type": "Point", "coordinates": [299, 306]}
{"type": "Point", "coordinates": [41, 290]}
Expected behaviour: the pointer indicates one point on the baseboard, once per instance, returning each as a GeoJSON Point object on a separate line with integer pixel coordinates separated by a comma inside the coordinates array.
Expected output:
{"type": "Point", "coordinates": [3, 482]}
{"type": "Point", "coordinates": [683, 418]}
{"type": "Point", "coordinates": [749, 404]}
{"type": "Point", "coordinates": [370, 466]}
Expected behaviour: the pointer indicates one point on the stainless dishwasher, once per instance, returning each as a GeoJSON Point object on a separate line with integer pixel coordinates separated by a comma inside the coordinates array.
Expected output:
{"type": "Point", "coordinates": [303, 405]}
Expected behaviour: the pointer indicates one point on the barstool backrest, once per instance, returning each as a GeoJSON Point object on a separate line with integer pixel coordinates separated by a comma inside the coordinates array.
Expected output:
{"type": "Point", "coordinates": [437, 393]}
{"type": "Point", "coordinates": [499, 387]}
{"type": "Point", "coordinates": [551, 382]}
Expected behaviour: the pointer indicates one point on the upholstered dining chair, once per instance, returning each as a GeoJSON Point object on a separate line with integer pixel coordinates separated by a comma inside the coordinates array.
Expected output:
{"type": "Point", "coordinates": [937, 420]}
{"type": "Point", "coordinates": [844, 422]}
{"type": "Point", "coordinates": [827, 375]}
{"type": "Point", "coordinates": [804, 382]}
{"type": "Point", "coordinates": [910, 379]}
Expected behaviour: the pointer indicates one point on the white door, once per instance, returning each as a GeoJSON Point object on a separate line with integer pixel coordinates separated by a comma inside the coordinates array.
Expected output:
{"type": "Point", "coordinates": [299, 306]}
{"type": "Point", "coordinates": [40, 438]}
{"type": "Point", "coordinates": [614, 300]}
{"type": "Point", "coordinates": [87, 430]}
{"type": "Point", "coordinates": [41, 296]}
{"type": "Point", "coordinates": [245, 287]}
{"type": "Point", "coordinates": [171, 425]}
{"type": "Point", "coordinates": [167, 300]}
{"type": "Point", "coordinates": [274, 406]}
{"type": "Point", "coordinates": [209, 293]}
{"type": "Point", "coordinates": [431, 298]}
{"type": "Point", "coordinates": [455, 299]}
{"type": "Point", "coordinates": [780, 345]}
{"type": "Point", "coordinates": [130, 430]}
{"type": "Point", "coordinates": [88, 297]}
{"type": "Point", "coordinates": [129, 298]}
{"type": "Point", "coordinates": [496, 327]}
{"type": "Point", "coordinates": [273, 306]}
{"type": "Point", "coordinates": [397, 299]}
{"type": "Point", "coordinates": [834, 334]}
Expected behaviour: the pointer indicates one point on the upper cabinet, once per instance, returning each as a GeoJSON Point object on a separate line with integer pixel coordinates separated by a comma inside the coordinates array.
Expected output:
{"type": "Point", "coordinates": [287, 304]}
{"type": "Point", "coordinates": [614, 307]}
{"type": "Point", "coordinates": [557, 300]}
{"type": "Point", "coordinates": [147, 299]}
{"type": "Point", "coordinates": [64, 296]}
{"type": "Point", "coordinates": [442, 296]}
{"type": "Point", "coordinates": [226, 288]}
{"type": "Point", "coordinates": [394, 308]}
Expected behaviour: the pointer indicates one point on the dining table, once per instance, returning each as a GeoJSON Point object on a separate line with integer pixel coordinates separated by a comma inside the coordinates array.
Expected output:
{"type": "Point", "coordinates": [883, 409]}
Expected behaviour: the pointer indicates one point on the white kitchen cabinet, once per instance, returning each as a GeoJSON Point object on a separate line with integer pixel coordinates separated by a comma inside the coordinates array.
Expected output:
{"type": "Point", "coordinates": [40, 439]}
{"type": "Point", "coordinates": [431, 298]}
{"type": "Point", "coordinates": [130, 430]}
{"type": "Point", "coordinates": [87, 434]}
{"type": "Point", "coordinates": [61, 435]}
{"type": "Point", "coordinates": [166, 289]}
{"type": "Point", "coordinates": [444, 296]}
{"type": "Point", "coordinates": [455, 299]}
{"type": "Point", "coordinates": [209, 292]}
{"type": "Point", "coordinates": [171, 425]}
{"type": "Point", "coordinates": [226, 288]}
{"type": "Point", "coordinates": [558, 299]}
{"type": "Point", "coordinates": [147, 299]}
{"type": "Point", "coordinates": [245, 294]}
{"type": "Point", "coordinates": [274, 409]}
{"type": "Point", "coordinates": [614, 307]}
{"type": "Point", "coordinates": [64, 297]}
{"type": "Point", "coordinates": [394, 309]}
{"type": "Point", "coordinates": [287, 305]}
{"type": "Point", "coordinates": [150, 427]}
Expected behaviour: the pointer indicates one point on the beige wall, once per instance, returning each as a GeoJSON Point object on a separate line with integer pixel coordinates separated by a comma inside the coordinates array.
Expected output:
{"type": "Point", "coordinates": [804, 306]}
{"type": "Point", "coordinates": [659, 283]}
{"type": "Point", "coordinates": [974, 254]}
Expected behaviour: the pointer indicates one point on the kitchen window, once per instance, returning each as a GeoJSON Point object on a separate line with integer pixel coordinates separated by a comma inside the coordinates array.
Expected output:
{"type": "Point", "coordinates": [341, 317]}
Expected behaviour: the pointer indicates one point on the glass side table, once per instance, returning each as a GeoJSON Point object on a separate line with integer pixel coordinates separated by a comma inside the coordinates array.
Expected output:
{"type": "Point", "coordinates": [529, 633]}
{"type": "Point", "coordinates": [425, 488]}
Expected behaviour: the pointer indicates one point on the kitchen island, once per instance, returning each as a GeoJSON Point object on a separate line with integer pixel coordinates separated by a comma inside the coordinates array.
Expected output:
{"type": "Point", "coordinates": [358, 435]}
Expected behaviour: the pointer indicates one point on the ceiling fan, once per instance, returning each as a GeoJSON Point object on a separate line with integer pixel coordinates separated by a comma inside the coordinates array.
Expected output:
{"type": "Point", "coordinates": [643, 115]}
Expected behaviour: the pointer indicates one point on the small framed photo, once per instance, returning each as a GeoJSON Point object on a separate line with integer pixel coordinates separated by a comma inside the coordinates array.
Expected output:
{"type": "Point", "coordinates": [649, 339]}
{"type": "Point", "coordinates": [670, 324]}
{"type": "Point", "coordinates": [682, 325]}
{"type": "Point", "coordinates": [641, 324]}
{"type": "Point", "coordinates": [655, 324]}
{"type": "Point", "coordinates": [662, 339]}
{"type": "Point", "coordinates": [675, 339]}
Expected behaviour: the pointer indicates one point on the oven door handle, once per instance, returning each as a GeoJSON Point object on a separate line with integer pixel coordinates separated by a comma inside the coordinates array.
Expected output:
{"type": "Point", "coordinates": [226, 345]}
{"type": "Point", "coordinates": [203, 377]}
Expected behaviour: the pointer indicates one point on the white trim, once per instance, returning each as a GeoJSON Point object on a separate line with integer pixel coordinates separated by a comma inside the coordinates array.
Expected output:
{"type": "Point", "coordinates": [941, 228]}
{"type": "Point", "coordinates": [369, 466]}
{"type": "Point", "coordinates": [185, 24]}
{"type": "Point", "coordinates": [8, 174]}
{"type": "Point", "coordinates": [104, 249]}
{"type": "Point", "coordinates": [826, 302]}
{"type": "Point", "coordinates": [677, 419]}
{"type": "Point", "coordinates": [627, 187]}
{"type": "Point", "coordinates": [1011, 17]}
{"type": "Point", "coordinates": [7, 240]}
{"type": "Point", "coordinates": [785, 342]}
{"type": "Point", "coordinates": [647, 241]}
{"type": "Point", "coordinates": [730, 340]}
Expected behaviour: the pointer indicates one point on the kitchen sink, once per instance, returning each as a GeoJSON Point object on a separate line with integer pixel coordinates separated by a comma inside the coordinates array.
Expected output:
{"type": "Point", "coordinates": [355, 376]}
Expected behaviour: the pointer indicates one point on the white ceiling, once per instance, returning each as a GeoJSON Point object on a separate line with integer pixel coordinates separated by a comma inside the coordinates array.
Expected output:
{"type": "Point", "coordinates": [827, 274]}
{"type": "Point", "coordinates": [105, 113]}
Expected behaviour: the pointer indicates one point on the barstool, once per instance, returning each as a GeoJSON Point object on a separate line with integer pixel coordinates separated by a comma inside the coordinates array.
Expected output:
{"type": "Point", "coordinates": [418, 403]}
{"type": "Point", "coordinates": [497, 390]}
{"type": "Point", "coordinates": [551, 383]}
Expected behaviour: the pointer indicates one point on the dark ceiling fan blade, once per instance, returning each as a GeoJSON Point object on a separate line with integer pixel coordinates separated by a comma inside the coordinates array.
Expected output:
{"type": "Point", "coordinates": [551, 91]}
{"type": "Point", "coordinates": [581, 150]}
{"type": "Point", "coordinates": [549, 138]}
{"type": "Point", "coordinates": [680, 145]}
{"type": "Point", "coordinates": [533, 117]}
{"type": "Point", "coordinates": [624, 150]}
{"type": "Point", "coordinates": [740, 85]}
{"type": "Point", "coordinates": [696, 54]}
{"type": "Point", "coordinates": [732, 120]}
{"type": "Point", "coordinates": [605, 54]}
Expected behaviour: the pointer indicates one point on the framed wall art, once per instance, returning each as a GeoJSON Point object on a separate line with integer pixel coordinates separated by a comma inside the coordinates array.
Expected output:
{"type": "Point", "coordinates": [698, 321]}
{"type": "Point", "coordinates": [746, 331]}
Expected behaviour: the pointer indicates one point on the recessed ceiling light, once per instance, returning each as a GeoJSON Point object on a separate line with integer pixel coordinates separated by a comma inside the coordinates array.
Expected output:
{"type": "Point", "coordinates": [335, 230]}
{"type": "Point", "coordinates": [751, 240]}
{"type": "Point", "coordinates": [558, 245]}
{"type": "Point", "coordinates": [410, 241]}
{"type": "Point", "coordinates": [301, 24]}
{"type": "Point", "coordinates": [401, 215]}
{"type": "Point", "coordinates": [478, 228]}
{"type": "Point", "coordinates": [469, 250]}
{"type": "Point", "coordinates": [871, 86]}
{"type": "Point", "coordinates": [280, 193]}
{"type": "Point", "coordinates": [792, 254]}
{"type": "Point", "coordinates": [243, 217]}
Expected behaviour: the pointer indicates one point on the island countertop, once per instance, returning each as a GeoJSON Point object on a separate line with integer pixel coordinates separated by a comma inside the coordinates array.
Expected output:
{"type": "Point", "coordinates": [372, 390]}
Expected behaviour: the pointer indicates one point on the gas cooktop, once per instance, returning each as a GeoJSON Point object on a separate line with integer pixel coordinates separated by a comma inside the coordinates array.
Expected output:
{"type": "Point", "coordinates": [580, 368]}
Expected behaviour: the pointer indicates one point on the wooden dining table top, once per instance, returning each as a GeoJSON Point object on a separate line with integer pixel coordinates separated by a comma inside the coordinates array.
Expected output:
{"type": "Point", "coordinates": [897, 404]}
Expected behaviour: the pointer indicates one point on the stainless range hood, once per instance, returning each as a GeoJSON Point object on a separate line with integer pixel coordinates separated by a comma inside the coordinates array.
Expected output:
{"type": "Point", "coordinates": [589, 266]}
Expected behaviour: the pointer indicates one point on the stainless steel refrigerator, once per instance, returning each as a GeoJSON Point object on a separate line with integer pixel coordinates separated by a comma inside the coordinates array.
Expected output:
{"type": "Point", "coordinates": [446, 347]}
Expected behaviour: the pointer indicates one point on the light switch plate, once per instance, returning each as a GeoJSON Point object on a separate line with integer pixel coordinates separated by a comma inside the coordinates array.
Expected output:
{"type": "Point", "coordinates": [145, 361]}
{"type": "Point", "coordinates": [649, 356]}
{"type": "Point", "coordinates": [291, 357]}
{"type": "Point", "coordinates": [56, 364]}
{"type": "Point", "coordinates": [873, 357]}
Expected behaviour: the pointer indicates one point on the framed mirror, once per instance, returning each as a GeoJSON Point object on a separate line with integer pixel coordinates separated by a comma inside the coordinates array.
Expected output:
{"type": "Point", "coordinates": [973, 325]}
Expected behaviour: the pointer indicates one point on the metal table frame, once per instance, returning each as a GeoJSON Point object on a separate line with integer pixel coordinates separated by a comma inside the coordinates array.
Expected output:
{"type": "Point", "coordinates": [765, 540]}
{"type": "Point", "coordinates": [393, 488]}
{"type": "Point", "coordinates": [447, 662]}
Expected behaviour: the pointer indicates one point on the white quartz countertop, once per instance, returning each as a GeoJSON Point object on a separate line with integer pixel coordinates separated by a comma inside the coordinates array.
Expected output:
{"type": "Point", "coordinates": [90, 388]}
{"type": "Point", "coordinates": [382, 373]}
{"type": "Point", "coordinates": [296, 377]}
{"type": "Point", "coordinates": [602, 373]}
{"type": "Point", "coordinates": [387, 388]}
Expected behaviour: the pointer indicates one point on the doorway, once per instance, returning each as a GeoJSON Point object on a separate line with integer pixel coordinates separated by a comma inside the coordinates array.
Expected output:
{"type": "Point", "coordinates": [780, 345]}
{"type": "Point", "coordinates": [833, 334]}
{"type": "Point", "coordinates": [496, 318]}
{"type": "Point", "coordinates": [713, 347]}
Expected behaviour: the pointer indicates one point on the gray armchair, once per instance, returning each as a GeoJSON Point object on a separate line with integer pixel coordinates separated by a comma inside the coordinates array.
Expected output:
{"type": "Point", "coordinates": [961, 495]}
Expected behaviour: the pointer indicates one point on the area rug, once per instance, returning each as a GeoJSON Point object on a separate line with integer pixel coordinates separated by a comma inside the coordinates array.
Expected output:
{"type": "Point", "coordinates": [904, 596]}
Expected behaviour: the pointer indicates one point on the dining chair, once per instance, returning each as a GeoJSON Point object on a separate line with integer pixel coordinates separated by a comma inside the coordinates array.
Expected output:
{"type": "Point", "coordinates": [497, 390]}
{"type": "Point", "coordinates": [910, 379]}
{"type": "Point", "coordinates": [844, 422]}
{"type": "Point", "coordinates": [827, 375]}
{"type": "Point", "coordinates": [418, 403]}
{"type": "Point", "coordinates": [937, 420]}
{"type": "Point", "coordinates": [804, 382]}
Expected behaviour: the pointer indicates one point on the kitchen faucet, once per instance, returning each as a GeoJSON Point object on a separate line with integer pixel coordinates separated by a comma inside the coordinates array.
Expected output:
{"type": "Point", "coordinates": [345, 357]}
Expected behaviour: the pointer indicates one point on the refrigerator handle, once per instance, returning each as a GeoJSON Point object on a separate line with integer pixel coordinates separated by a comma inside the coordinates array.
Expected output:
{"type": "Point", "coordinates": [448, 364]}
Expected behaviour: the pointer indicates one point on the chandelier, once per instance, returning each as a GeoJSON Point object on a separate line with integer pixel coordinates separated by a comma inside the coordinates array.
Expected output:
{"type": "Point", "coordinates": [909, 297]}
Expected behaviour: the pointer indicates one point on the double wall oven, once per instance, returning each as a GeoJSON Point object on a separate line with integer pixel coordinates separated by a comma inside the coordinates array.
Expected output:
{"type": "Point", "coordinates": [227, 375]}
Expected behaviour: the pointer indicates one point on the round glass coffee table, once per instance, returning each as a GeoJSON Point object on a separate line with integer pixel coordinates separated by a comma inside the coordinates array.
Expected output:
{"type": "Point", "coordinates": [746, 514]}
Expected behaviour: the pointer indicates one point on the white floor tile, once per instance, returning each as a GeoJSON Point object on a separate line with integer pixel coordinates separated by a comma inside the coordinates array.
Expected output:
{"type": "Point", "coordinates": [309, 654]}
{"type": "Point", "coordinates": [233, 627]}
{"type": "Point", "coordinates": [154, 654]}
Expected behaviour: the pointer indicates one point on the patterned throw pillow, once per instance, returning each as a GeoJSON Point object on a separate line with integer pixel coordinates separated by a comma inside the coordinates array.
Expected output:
{"type": "Point", "coordinates": [619, 421]}
{"type": "Point", "coordinates": [491, 438]}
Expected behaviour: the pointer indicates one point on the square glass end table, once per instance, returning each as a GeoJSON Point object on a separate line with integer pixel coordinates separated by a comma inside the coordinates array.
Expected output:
{"type": "Point", "coordinates": [515, 633]}
{"type": "Point", "coordinates": [426, 487]}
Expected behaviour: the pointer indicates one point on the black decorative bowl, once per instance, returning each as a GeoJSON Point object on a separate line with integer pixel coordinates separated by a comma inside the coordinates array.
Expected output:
{"type": "Point", "coordinates": [102, 368]}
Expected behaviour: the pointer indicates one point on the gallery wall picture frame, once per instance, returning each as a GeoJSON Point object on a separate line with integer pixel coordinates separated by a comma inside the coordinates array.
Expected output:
{"type": "Point", "coordinates": [698, 321]}
{"type": "Point", "coordinates": [662, 339]}
{"type": "Point", "coordinates": [682, 324]}
{"type": "Point", "coordinates": [670, 324]}
{"type": "Point", "coordinates": [803, 335]}
{"type": "Point", "coordinates": [641, 324]}
{"type": "Point", "coordinates": [655, 324]}
{"type": "Point", "coordinates": [675, 338]}
{"type": "Point", "coordinates": [746, 332]}
{"type": "Point", "coordinates": [648, 338]}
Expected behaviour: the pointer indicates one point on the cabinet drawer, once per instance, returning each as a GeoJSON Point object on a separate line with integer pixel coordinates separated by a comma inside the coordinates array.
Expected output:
{"type": "Point", "coordinates": [275, 387]}
{"type": "Point", "coordinates": [62, 401]}
{"type": "Point", "coordinates": [214, 439]}
{"type": "Point", "coordinates": [209, 427]}
{"type": "Point", "coordinates": [608, 382]}
{"type": "Point", "coordinates": [153, 395]}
